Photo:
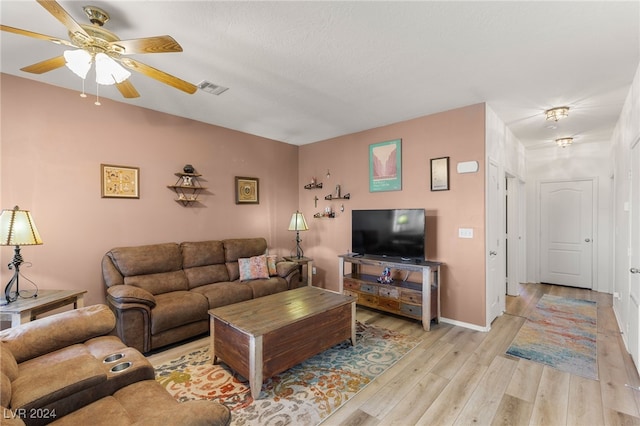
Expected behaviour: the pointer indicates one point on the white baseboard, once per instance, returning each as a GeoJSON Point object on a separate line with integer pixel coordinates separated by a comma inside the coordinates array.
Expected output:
{"type": "Point", "coordinates": [465, 324]}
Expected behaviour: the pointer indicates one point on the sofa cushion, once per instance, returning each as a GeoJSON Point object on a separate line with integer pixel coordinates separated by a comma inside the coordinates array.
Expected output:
{"type": "Point", "coordinates": [178, 308]}
{"type": "Point", "coordinates": [55, 381]}
{"type": "Point", "coordinates": [266, 287]}
{"type": "Point", "coordinates": [225, 293]}
{"type": "Point", "coordinates": [160, 283]}
{"type": "Point", "coordinates": [272, 262]}
{"type": "Point", "coordinates": [237, 248]}
{"type": "Point", "coordinates": [57, 331]}
{"type": "Point", "coordinates": [202, 275]}
{"type": "Point", "coordinates": [149, 259]}
{"type": "Point", "coordinates": [8, 364]}
{"type": "Point", "coordinates": [5, 390]}
{"type": "Point", "coordinates": [202, 253]}
{"type": "Point", "coordinates": [253, 268]}
{"type": "Point", "coordinates": [106, 411]}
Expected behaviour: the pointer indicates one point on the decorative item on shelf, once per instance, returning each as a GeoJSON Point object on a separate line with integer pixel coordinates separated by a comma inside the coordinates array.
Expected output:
{"type": "Point", "coordinates": [17, 229]}
{"type": "Point", "coordinates": [298, 223]}
{"type": "Point", "coordinates": [187, 187]}
{"type": "Point", "coordinates": [385, 278]}
{"type": "Point", "coordinates": [328, 213]}
{"type": "Point", "coordinates": [330, 197]}
{"type": "Point", "coordinates": [315, 201]}
{"type": "Point", "coordinates": [188, 168]}
{"type": "Point", "coordinates": [314, 184]}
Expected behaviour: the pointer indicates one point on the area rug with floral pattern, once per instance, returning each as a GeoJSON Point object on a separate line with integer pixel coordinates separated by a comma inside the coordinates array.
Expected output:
{"type": "Point", "coordinates": [303, 395]}
{"type": "Point", "coordinates": [561, 333]}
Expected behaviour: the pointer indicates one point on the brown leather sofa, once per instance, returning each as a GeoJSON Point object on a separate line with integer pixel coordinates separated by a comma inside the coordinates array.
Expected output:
{"type": "Point", "coordinates": [66, 369]}
{"type": "Point", "coordinates": [161, 293]}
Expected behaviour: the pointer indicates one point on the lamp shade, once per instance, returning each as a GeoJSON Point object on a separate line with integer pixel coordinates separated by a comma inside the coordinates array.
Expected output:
{"type": "Point", "coordinates": [109, 71]}
{"type": "Point", "coordinates": [298, 223]}
{"type": "Point", "coordinates": [78, 61]}
{"type": "Point", "coordinates": [17, 228]}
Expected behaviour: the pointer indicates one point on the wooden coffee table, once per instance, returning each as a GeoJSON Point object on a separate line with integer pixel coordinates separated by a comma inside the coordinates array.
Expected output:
{"type": "Point", "coordinates": [262, 337]}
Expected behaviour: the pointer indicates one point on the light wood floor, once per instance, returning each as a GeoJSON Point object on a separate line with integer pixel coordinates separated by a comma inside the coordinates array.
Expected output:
{"type": "Point", "coordinates": [463, 377]}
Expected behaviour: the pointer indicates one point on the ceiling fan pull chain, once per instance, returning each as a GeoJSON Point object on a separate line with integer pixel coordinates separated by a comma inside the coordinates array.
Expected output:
{"type": "Point", "coordinates": [83, 95]}
{"type": "Point", "coordinates": [97, 102]}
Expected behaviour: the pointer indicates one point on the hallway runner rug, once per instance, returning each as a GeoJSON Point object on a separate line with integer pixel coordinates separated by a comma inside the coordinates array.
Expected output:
{"type": "Point", "coordinates": [560, 333]}
{"type": "Point", "coordinates": [303, 395]}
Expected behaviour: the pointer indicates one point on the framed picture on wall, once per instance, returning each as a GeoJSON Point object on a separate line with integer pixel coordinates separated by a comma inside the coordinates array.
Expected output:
{"type": "Point", "coordinates": [385, 166]}
{"type": "Point", "coordinates": [119, 181]}
{"type": "Point", "coordinates": [440, 174]}
{"type": "Point", "coordinates": [247, 190]}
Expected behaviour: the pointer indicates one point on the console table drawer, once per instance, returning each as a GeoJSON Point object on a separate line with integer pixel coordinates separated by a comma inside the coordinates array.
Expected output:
{"type": "Point", "coordinates": [411, 310]}
{"type": "Point", "coordinates": [411, 296]}
{"type": "Point", "coordinates": [389, 292]}
{"type": "Point", "coordinates": [389, 304]}
{"type": "Point", "coordinates": [367, 299]}
{"type": "Point", "coordinates": [350, 293]}
{"type": "Point", "coordinates": [369, 288]}
{"type": "Point", "coordinates": [351, 284]}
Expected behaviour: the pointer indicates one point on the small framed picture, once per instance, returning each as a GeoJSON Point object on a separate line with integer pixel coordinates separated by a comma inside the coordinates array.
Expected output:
{"type": "Point", "coordinates": [440, 174]}
{"type": "Point", "coordinates": [247, 190]}
{"type": "Point", "coordinates": [120, 181]}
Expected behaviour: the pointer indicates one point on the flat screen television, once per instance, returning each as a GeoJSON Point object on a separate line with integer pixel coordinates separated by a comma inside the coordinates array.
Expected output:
{"type": "Point", "coordinates": [396, 233]}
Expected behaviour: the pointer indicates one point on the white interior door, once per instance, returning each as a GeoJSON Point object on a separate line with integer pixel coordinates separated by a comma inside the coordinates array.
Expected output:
{"type": "Point", "coordinates": [634, 258]}
{"type": "Point", "coordinates": [566, 233]}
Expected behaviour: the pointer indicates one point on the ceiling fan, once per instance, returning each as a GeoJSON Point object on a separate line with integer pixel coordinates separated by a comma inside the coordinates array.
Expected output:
{"type": "Point", "coordinates": [96, 45]}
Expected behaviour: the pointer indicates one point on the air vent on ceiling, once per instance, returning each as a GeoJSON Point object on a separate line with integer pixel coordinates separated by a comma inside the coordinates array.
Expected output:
{"type": "Point", "coordinates": [211, 88]}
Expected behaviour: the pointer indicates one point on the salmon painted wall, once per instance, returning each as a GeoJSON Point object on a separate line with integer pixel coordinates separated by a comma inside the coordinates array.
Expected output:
{"type": "Point", "coordinates": [458, 134]}
{"type": "Point", "coordinates": [52, 145]}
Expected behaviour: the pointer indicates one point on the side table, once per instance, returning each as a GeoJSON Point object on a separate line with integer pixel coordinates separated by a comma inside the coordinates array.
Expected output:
{"type": "Point", "coordinates": [25, 310]}
{"type": "Point", "coordinates": [303, 261]}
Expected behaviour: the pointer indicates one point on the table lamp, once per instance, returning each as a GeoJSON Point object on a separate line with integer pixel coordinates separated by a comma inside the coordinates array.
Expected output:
{"type": "Point", "coordinates": [16, 229]}
{"type": "Point", "coordinates": [298, 224]}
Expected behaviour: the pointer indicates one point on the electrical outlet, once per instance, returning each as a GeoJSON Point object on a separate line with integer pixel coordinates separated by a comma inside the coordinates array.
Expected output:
{"type": "Point", "coordinates": [313, 270]}
{"type": "Point", "coordinates": [465, 232]}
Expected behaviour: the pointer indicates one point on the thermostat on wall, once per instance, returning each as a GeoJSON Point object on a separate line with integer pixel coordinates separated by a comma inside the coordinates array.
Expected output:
{"type": "Point", "coordinates": [468, 167]}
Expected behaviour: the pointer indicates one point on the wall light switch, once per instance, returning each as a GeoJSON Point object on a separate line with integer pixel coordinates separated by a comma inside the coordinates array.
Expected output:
{"type": "Point", "coordinates": [465, 232]}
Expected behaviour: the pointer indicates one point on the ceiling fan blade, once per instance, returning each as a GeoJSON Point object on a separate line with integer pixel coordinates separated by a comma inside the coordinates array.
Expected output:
{"type": "Point", "coordinates": [35, 35]}
{"type": "Point", "coordinates": [45, 66]}
{"type": "Point", "coordinates": [61, 15]}
{"type": "Point", "coordinates": [127, 89]}
{"type": "Point", "coordinates": [159, 44]}
{"type": "Point", "coordinates": [161, 76]}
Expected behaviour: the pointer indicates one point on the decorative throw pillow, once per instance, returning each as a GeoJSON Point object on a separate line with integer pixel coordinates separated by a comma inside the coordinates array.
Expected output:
{"type": "Point", "coordinates": [253, 268]}
{"type": "Point", "coordinates": [271, 264]}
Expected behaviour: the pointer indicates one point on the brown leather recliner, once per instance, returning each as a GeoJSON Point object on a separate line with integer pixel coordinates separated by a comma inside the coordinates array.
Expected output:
{"type": "Point", "coordinates": [67, 369]}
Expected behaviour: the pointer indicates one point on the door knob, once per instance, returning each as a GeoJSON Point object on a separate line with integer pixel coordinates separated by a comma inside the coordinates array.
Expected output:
{"type": "Point", "coordinates": [635, 270]}
{"type": "Point", "coordinates": [586, 240]}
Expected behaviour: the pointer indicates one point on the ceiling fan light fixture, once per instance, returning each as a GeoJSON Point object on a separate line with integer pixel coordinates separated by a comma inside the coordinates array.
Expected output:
{"type": "Point", "coordinates": [564, 142]}
{"type": "Point", "coordinates": [78, 61]}
{"type": "Point", "coordinates": [109, 71]}
{"type": "Point", "coordinates": [557, 113]}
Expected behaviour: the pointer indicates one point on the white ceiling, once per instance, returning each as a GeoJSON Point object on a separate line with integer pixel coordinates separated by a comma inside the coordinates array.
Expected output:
{"type": "Point", "coordinates": [305, 71]}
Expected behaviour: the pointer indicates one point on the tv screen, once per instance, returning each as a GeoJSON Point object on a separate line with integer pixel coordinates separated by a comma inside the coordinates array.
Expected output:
{"type": "Point", "coordinates": [398, 233]}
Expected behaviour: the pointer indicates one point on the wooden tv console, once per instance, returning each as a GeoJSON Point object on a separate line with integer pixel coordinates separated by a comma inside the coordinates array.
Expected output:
{"type": "Point", "coordinates": [406, 298]}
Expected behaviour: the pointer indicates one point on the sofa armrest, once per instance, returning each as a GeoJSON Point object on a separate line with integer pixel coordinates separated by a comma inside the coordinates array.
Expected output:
{"type": "Point", "coordinates": [120, 295]}
{"type": "Point", "coordinates": [57, 331]}
{"type": "Point", "coordinates": [285, 268]}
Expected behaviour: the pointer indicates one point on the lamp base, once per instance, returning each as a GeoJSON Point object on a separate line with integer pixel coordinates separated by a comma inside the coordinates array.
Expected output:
{"type": "Point", "coordinates": [15, 264]}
